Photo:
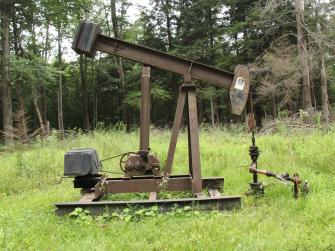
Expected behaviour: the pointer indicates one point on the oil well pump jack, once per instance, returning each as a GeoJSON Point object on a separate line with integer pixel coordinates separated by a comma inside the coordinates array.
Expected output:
{"type": "Point", "coordinates": [142, 170]}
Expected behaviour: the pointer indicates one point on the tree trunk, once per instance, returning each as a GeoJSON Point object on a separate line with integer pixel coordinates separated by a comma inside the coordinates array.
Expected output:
{"type": "Point", "coordinates": [60, 106]}
{"type": "Point", "coordinates": [39, 116]}
{"type": "Point", "coordinates": [21, 114]}
{"type": "Point", "coordinates": [274, 106]}
{"type": "Point", "coordinates": [45, 105]}
{"type": "Point", "coordinates": [95, 112]}
{"type": "Point", "coordinates": [303, 57]}
{"type": "Point", "coordinates": [211, 30]}
{"type": "Point", "coordinates": [44, 92]}
{"type": "Point", "coordinates": [46, 44]}
{"type": "Point", "coordinates": [6, 89]}
{"type": "Point", "coordinates": [324, 87]}
{"type": "Point", "coordinates": [33, 40]}
{"type": "Point", "coordinates": [117, 30]}
{"type": "Point", "coordinates": [16, 34]}
{"type": "Point", "coordinates": [167, 8]}
{"type": "Point", "coordinates": [60, 84]}
{"type": "Point", "coordinates": [114, 19]}
{"type": "Point", "coordinates": [84, 96]}
{"type": "Point", "coordinates": [212, 112]}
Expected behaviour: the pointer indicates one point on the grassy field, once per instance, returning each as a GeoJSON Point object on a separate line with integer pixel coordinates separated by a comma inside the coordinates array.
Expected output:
{"type": "Point", "coordinates": [29, 186]}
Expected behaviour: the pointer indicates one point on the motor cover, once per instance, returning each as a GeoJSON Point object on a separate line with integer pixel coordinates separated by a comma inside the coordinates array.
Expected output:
{"type": "Point", "coordinates": [81, 162]}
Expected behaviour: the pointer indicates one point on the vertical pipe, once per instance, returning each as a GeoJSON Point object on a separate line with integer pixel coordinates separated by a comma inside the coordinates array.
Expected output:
{"type": "Point", "coordinates": [145, 109]}
{"type": "Point", "coordinates": [254, 147]}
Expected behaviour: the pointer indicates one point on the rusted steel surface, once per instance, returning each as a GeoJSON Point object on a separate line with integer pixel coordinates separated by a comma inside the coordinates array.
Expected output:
{"type": "Point", "coordinates": [85, 38]}
{"type": "Point", "coordinates": [187, 93]}
{"type": "Point", "coordinates": [140, 185]}
{"type": "Point", "coordinates": [88, 40]}
{"type": "Point", "coordinates": [145, 109]}
{"type": "Point", "coordinates": [90, 182]}
{"type": "Point", "coordinates": [194, 148]}
{"type": "Point", "coordinates": [140, 163]}
{"type": "Point", "coordinates": [164, 61]}
{"type": "Point", "coordinates": [239, 90]}
{"type": "Point", "coordinates": [100, 207]}
{"type": "Point", "coordinates": [284, 177]}
{"type": "Point", "coordinates": [257, 187]}
{"type": "Point", "coordinates": [153, 184]}
{"type": "Point", "coordinates": [175, 131]}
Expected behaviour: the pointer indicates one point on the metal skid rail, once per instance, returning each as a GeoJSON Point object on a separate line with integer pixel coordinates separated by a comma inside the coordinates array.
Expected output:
{"type": "Point", "coordinates": [100, 207]}
{"type": "Point", "coordinates": [90, 202]}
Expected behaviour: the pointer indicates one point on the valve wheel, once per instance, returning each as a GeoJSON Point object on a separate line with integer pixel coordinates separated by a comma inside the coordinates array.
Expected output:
{"type": "Point", "coordinates": [123, 161]}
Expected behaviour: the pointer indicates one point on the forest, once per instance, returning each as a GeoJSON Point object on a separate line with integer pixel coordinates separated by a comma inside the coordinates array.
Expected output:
{"type": "Point", "coordinates": [221, 184]}
{"type": "Point", "coordinates": [287, 45]}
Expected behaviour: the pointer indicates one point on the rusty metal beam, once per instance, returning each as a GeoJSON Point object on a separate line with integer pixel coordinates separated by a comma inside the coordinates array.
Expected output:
{"type": "Point", "coordinates": [193, 142]}
{"type": "Point", "coordinates": [141, 185]}
{"type": "Point", "coordinates": [90, 182]}
{"type": "Point", "coordinates": [152, 184]}
{"type": "Point", "coordinates": [175, 131]}
{"type": "Point", "coordinates": [164, 61]}
{"type": "Point", "coordinates": [88, 41]}
{"type": "Point", "coordinates": [145, 109]}
{"type": "Point", "coordinates": [100, 207]}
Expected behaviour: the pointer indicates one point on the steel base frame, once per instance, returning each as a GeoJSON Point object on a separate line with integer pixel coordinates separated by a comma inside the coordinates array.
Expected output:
{"type": "Point", "coordinates": [90, 200]}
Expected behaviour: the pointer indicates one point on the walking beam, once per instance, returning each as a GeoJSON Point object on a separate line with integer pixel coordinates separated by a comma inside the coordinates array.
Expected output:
{"type": "Point", "coordinates": [88, 41]}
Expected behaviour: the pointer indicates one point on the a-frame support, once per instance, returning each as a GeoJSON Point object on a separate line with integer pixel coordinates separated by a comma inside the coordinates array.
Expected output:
{"type": "Point", "coordinates": [187, 95]}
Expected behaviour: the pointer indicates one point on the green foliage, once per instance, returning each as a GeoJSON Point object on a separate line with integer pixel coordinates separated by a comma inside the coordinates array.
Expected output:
{"type": "Point", "coordinates": [133, 99]}
{"type": "Point", "coordinates": [283, 113]}
{"type": "Point", "coordinates": [159, 94]}
{"type": "Point", "coordinates": [32, 73]}
{"type": "Point", "coordinates": [209, 92]}
{"type": "Point", "coordinates": [81, 216]}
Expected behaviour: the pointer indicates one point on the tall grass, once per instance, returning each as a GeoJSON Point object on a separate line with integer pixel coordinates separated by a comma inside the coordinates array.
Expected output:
{"type": "Point", "coordinates": [31, 173]}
